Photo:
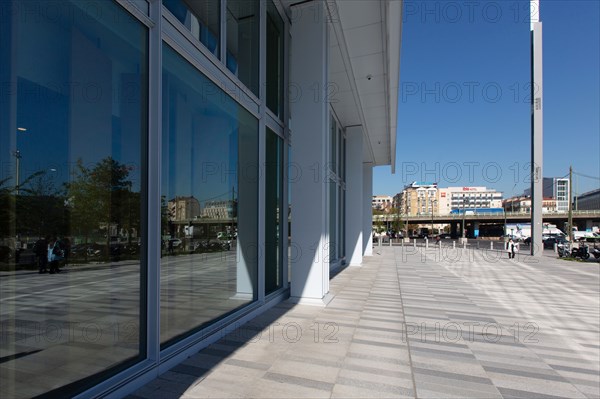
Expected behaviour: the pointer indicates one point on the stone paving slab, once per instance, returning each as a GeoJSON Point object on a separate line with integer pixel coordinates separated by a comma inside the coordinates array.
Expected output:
{"type": "Point", "coordinates": [416, 323]}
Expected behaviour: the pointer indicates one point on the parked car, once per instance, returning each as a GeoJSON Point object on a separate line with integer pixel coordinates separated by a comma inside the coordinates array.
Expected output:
{"type": "Point", "coordinates": [175, 242]}
{"type": "Point", "coordinates": [550, 241]}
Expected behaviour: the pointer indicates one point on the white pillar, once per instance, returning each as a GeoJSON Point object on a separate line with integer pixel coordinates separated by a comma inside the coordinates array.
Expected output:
{"type": "Point", "coordinates": [310, 127]}
{"type": "Point", "coordinates": [367, 212]}
{"type": "Point", "coordinates": [354, 196]}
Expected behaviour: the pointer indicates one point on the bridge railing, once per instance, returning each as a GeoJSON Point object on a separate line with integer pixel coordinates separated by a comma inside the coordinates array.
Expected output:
{"type": "Point", "coordinates": [456, 216]}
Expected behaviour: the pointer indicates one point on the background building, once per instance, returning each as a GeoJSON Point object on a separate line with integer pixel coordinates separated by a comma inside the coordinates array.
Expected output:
{"type": "Point", "coordinates": [588, 201]}
{"type": "Point", "coordinates": [419, 198]}
{"type": "Point", "coordinates": [556, 188]}
{"type": "Point", "coordinates": [382, 202]}
{"type": "Point", "coordinates": [456, 198]}
{"type": "Point", "coordinates": [219, 209]}
{"type": "Point", "coordinates": [423, 198]}
{"type": "Point", "coordinates": [184, 209]}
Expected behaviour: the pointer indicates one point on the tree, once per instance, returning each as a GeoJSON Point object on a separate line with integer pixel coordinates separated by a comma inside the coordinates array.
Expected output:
{"type": "Point", "coordinates": [37, 210]}
{"type": "Point", "coordinates": [101, 197]}
{"type": "Point", "coordinates": [397, 222]}
{"type": "Point", "coordinates": [7, 209]}
{"type": "Point", "coordinates": [40, 208]}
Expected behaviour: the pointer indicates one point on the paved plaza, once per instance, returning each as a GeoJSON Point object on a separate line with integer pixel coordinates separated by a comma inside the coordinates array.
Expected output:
{"type": "Point", "coordinates": [415, 322]}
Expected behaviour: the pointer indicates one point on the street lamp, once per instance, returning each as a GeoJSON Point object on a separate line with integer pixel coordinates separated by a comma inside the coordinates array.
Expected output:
{"type": "Point", "coordinates": [433, 202]}
{"type": "Point", "coordinates": [405, 206]}
{"type": "Point", "coordinates": [463, 217]}
{"type": "Point", "coordinates": [504, 212]}
{"type": "Point", "coordinates": [18, 157]}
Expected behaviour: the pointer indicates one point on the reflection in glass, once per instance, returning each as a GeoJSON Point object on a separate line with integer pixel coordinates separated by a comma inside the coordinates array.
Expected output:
{"type": "Point", "coordinates": [274, 62]}
{"type": "Point", "coordinates": [201, 17]}
{"type": "Point", "coordinates": [291, 175]}
{"type": "Point", "coordinates": [209, 202]}
{"type": "Point", "coordinates": [72, 134]}
{"type": "Point", "coordinates": [273, 212]}
{"type": "Point", "coordinates": [333, 143]}
{"type": "Point", "coordinates": [242, 41]}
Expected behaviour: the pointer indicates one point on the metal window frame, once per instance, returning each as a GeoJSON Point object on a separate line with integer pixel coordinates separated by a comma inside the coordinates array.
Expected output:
{"type": "Point", "coordinates": [163, 29]}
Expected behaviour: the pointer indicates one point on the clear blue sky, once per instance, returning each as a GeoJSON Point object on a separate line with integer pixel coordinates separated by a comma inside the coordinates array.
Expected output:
{"type": "Point", "coordinates": [463, 106]}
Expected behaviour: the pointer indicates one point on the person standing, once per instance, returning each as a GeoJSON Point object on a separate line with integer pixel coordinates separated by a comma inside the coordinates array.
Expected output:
{"type": "Point", "coordinates": [510, 248]}
{"type": "Point", "coordinates": [55, 255]}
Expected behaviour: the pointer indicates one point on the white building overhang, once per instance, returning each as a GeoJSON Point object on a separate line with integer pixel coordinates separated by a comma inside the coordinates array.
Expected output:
{"type": "Point", "coordinates": [364, 61]}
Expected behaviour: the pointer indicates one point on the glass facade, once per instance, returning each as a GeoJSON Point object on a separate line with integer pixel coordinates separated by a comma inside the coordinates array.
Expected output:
{"type": "Point", "coordinates": [209, 197]}
{"type": "Point", "coordinates": [201, 17]}
{"type": "Point", "coordinates": [273, 212]}
{"type": "Point", "coordinates": [73, 124]}
{"type": "Point", "coordinates": [336, 173]}
{"type": "Point", "coordinates": [130, 184]}
{"type": "Point", "coordinates": [275, 64]}
{"type": "Point", "coordinates": [242, 41]}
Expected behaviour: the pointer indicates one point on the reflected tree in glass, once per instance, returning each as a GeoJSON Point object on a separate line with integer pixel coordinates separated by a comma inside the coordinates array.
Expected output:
{"type": "Point", "coordinates": [100, 198]}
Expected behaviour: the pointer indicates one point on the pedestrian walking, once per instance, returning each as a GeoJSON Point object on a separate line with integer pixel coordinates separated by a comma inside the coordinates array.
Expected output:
{"type": "Point", "coordinates": [510, 248]}
{"type": "Point", "coordinates": [55, 255]}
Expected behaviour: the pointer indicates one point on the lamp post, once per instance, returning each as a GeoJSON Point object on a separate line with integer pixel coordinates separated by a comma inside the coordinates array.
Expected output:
{"type": "Point", "coordinates": [504, 212]}
{"type": "Point", "coordinates": [463, 217]}
{"type": "Point", "coordinates": [433, 202]}
{"type": "Point", "coordinates": [18, 157]}
{"type": "Point", "coordinates": [405, 205]}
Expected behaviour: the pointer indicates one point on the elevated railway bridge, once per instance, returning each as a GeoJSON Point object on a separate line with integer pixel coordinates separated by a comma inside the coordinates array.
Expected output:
{"type": "Point", "coordinates": [492, 222]}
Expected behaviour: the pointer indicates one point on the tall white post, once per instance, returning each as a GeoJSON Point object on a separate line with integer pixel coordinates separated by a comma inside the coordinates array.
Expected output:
{"type": "Point", "coordinates": [537, 131]}
{"type": "Point", "coordinates": [367, 211]}
{"type": "Point", "coordinates": [310, 127]}
{"type": "Point", "coordinates": [354, 195]}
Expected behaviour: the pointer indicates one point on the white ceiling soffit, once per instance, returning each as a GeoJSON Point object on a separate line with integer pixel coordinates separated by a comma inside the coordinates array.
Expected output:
{"type": "Point", "coordinates": [364, 42]}
{"type": "Point", "coordinates": [364, 65]}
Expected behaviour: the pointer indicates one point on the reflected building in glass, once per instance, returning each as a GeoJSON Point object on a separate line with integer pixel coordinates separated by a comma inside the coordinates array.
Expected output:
{"type": "Point", "coordinates": [148, 198]}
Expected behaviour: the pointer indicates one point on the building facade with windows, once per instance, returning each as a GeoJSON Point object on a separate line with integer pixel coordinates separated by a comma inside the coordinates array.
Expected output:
{"type": "Point", "coordinates": [556, 188]}
{"type": "Point", "coordinates": [589, 201]}
{"type": "Point", "coordinates": [455, 198]}
{"type": "Point", "coordinates": [110, 110]}
{"type": "Point", "coordinates": [184, 208]}
{"type": "Point", "coordinates": [419, 198]}
{"type": "Point", "coordinates": [382, 202]}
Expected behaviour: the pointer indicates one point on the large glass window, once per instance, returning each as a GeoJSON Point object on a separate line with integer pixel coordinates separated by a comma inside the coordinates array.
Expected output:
{"type": "Point", "coordinates": [242, 41]}
{"type": "Point", "coordinates": [333, 226]}
{"type": "Point", "coordinates": [73, 112]}
{"type": "Point", "coordinates": [209, 202]}
{"type": "Point", "coordinates": [201, 17]}
{"type": "Point", "coordinates": [273, 212]}
{"type": "Point", "coordinates": [274, 60]}
{"type": "Point", "coordinates": [333, 133]}
{"type": "Point", "coordinates": [336, 174]}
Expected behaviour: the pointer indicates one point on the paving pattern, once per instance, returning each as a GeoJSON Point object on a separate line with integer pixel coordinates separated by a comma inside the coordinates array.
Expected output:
{"type": "Point", "coordinates": [413, 322]}
{"type": "Point", "coordinates": [57, 329]}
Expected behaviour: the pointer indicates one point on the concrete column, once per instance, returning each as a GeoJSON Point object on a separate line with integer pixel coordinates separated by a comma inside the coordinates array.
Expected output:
{"type": "Point", "coordinates": [354, 196]}
{"type": "Point", "coordinates": [367, 197]}
{"type": "Point", "coordinates": [453, 230]}
{"type": "Point", "coordinates": [309, 127]}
